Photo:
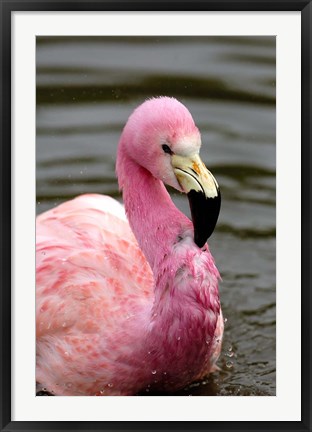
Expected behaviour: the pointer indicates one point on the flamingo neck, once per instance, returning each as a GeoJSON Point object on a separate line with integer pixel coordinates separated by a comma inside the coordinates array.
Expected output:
{"type": "Point", "coordinates": [181, 322]}
{"type": "Point", "coordinates": [154, 219]}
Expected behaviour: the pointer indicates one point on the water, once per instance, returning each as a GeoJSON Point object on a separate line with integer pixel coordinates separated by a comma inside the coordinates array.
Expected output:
{"type": "Point", "coordinates": [86, 89]}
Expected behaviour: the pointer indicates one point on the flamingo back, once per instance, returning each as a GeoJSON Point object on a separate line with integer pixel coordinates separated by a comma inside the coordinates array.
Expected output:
{"type": "Point", "coordinates": [88, 258]}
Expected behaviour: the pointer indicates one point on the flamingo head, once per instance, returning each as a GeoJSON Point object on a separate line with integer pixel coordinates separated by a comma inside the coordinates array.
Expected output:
{"type": "Point", "coordinates": [161, 137]}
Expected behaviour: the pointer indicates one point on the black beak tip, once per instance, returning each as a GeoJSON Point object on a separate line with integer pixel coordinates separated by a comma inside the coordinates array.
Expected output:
{"type": "Point", "coordinates": [205, 212]}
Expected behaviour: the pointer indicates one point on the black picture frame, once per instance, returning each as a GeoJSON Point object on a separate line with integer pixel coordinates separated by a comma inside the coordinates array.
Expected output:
{"type": "Point", "coordinates": [7, 7]}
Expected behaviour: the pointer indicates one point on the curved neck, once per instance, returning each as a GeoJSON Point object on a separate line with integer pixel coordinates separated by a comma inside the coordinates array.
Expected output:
{"type": "Point", "coordinates": [176, 342]}
{"type": "Point", "coordinates": [153, 217]}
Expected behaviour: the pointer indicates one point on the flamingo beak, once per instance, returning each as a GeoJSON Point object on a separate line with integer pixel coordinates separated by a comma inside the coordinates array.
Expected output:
{"type": "Point", "coordinates": [203, 193]}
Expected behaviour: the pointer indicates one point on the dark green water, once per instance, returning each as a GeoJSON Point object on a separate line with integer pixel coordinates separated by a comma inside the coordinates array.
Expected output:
{"type": "Point", "coordinates": [86, 89]}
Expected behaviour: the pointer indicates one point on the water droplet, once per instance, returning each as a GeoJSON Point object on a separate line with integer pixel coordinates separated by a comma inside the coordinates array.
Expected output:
{"type": "Point", "coordinates": [207, 341]}
{"type": "Point", "coordinates": [179, 338]}
{"type": "Point", "coordinates": [229, 364]}
{"type": "Point", "coordinates": [230, 348]}
{"type": "Point", "coordinates": [64, 324]}
{"type": "Point", "coordinates": [230, 354]}
{"type": "Point", "coordinates": [110, 385]}
{"type": "Point", "coordinates": [148, 352]}
{"type": "Point", "coordinates": [69, 385]}
{"type": "Point", "coordinates": [218, 340]}
{"type": "Point", "coordinates": [66, 353]}
{"type": "Point", "coordinates": [225, 320]}
{"type": "Point", "coordinates": [147, 390]}
{"type": "Point", "coordinates": [102, 391]}
{"type": "Point", "coordinates": [165, 373]}
{"type": "Point", "coordinates": [154, 372]}
{"type": "Point", "coordinates": [43, 389]}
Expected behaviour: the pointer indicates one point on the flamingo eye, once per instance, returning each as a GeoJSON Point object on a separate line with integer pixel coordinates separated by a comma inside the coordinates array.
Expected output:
{"type": "Point", "coordinates": [167, 149]}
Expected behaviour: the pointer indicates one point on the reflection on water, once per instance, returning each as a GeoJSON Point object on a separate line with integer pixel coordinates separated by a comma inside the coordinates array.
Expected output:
{"type": "Point", "coordinates": [86, 89]}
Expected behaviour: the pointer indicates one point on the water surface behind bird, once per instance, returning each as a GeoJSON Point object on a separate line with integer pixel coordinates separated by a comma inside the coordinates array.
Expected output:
{"type": "Point", "coordinates": [87, 88]}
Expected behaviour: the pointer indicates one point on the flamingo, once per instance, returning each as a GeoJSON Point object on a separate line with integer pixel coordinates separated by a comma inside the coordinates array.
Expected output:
{"type": "Point", "coordinates": [127, 297]}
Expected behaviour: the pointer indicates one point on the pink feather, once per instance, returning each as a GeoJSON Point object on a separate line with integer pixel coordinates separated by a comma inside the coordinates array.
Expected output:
{"type": "Point", "coordinates": [121, 308]}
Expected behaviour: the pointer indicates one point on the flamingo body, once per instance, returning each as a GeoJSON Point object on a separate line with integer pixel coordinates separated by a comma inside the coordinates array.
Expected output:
{"type": "Point", "coordinates": [121, 308]}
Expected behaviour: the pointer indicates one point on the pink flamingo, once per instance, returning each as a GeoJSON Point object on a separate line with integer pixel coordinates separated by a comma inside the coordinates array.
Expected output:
{"type": "Point", "coordinates": [123, 308]}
